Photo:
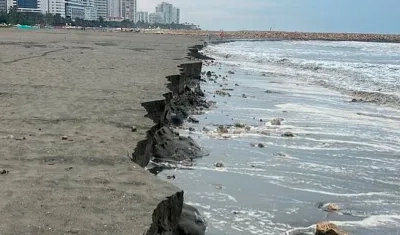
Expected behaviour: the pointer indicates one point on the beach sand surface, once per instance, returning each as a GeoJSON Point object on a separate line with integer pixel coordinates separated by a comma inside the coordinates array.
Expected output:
{"type": "Point", "coordinates": [68, 100]}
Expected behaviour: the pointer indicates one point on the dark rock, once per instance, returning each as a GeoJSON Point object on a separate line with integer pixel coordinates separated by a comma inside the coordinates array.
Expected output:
{"type": "Point", "coordinates": [288, 134]}
{"type": "Point", "coordinates": [222, 129]}
{"type": "Point", "coordinates": [64, 137]}
{"type": "Point", "coordinates": [4, 172]}
{"type": "Point", "coordinates": [133, 128]}
{"type": "Point", "coordinates": [191, 222]}
{"type": "Point", "coordinates": [244, 95]}
{"type": "Point", "coordinates": [219, 164]}
{"type": "Point", "coordinates": [192, 129]}
{"type": "Point", "coordinates": [276, 121]}
{"type": "Point", "coordinates": [193, 120]}
{"type": "Point", "coordinates": [171, 177]}
{"type": "Point", "coordinates": [176, 119]}
{"type": "Point", "coordinates": [209, 74]}
{"type": "Point", "coordinates": [261, 145]}
{"type": "Point", "coordinates": [236, 84]}
{"type": "Point", "coordinates": [231, 72]}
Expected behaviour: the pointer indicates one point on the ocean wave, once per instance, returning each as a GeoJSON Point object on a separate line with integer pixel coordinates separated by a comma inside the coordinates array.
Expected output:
{"type": "Point", "coordinates": [372, 221]}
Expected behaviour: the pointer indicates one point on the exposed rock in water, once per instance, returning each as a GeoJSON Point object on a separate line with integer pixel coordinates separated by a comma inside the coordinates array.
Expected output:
{"type": "Point", "coordinates": [327, 228]}
{"type": "Point", "coordinates": [191, 222]}
{"type": "Point", "coordinates": [265, 133]}
{"type": "Point", "coordinates": [192, 129]}
{"type": "Point", "coordinates": [261, 145]}
{"type": "Point", "coordinates": [231, 72]}
{"type": "Point", "coordinates": [208, 74]}
{"type": "Point", "coordinates": [276, 121]}
{"type": "Point", "coordinates": [239, 125]}
{"type": "Point", "coordinates": [288, 134]}
{"type": "Point", "coordinates": [222, 93]}
{"type": "Point", "coordinates": [193, 120]}
{"type": "Point", "coordinates": [219, 164]}
{"type": "Point", "coordinates": [171, 147]}
{"type": "Point", "coordinates": [222, 129]}
{"type": "Point", "coordinates": [329, 207]}
{"type": "Point", "coordinates": [244, 95]}
{"type": "Point", "coordinates": [236, 84]}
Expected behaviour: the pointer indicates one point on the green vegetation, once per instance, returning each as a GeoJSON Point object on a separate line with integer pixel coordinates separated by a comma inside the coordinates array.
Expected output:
{"type": "Point", "coordinates": [31, 18]}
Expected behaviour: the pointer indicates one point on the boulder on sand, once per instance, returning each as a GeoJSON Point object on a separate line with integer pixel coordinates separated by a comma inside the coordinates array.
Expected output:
{"type": "Point", "coordinates": [191, 222]}
{"type": "Point", "coordinates": [327, 228]}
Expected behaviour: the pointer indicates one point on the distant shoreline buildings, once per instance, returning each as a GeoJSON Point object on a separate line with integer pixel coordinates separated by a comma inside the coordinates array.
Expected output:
{"type": "Point", "coordinates": [108, 10]}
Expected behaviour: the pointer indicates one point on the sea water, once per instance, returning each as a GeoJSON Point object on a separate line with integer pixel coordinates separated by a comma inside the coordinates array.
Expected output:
{"type": "Point", "coordinates": [342, 152]}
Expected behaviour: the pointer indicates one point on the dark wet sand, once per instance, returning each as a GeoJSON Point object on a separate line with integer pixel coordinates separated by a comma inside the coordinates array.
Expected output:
{"type": "Point", "coordinates": [87, 86]}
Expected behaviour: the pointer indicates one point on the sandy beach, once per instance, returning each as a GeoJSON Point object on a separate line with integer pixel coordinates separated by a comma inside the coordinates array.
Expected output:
{"type": "Point", "coordinates": [68, 101]}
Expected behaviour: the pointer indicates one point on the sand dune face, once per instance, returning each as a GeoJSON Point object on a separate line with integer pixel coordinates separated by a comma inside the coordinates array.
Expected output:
{"type": "Point", "coordinates": [68, 100]}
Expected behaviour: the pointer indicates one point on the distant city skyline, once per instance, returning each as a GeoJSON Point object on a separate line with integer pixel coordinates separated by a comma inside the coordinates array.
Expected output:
{"type": "Point", "coordinates": [363, 16]}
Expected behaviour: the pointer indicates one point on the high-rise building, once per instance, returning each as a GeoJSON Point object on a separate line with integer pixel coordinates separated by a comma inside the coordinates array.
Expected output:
{"type": "Point", "coordinates": [83, 9]}
{"type": "Point", "coordinates": [166, 9]}
{"type": "Point", "coordinates": [115, 10]}
{"type": "Point", "coordinates": [176, 12]}
{"type": "Point", "coordinates": [53, 7]}
{"type": "Point", "coordinates": [102, 8]}
{"type": "Point", "coordinates": [129, 9]}
{"type": "Point", "coordinates": [3, 5]}
{"type": "Point", "coordinates": [142, 16]}
{"type": "Point", "coordinates": [156, 18]}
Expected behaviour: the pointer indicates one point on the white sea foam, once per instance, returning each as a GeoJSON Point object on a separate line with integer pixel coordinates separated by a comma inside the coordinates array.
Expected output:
{"type": "Point", "coordinates": [373, 221]}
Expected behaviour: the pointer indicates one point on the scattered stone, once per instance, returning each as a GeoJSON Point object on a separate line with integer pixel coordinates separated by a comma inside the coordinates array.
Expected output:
{"type": "Point", "coordinates": [268, 91]}
{"type": "Point", "coordinates": [252, 145]}
{"type": "Point", "coordinates": [133, 128]}
{"type": "Point", "coordinates": [288, 134]}
{"type": "Point", "coordinates": [222, 129]}
{"type": "Point", "coordinates": [4, 172]}
{"type": "Point", "coordinates": [20, 138]}
{"type": "Point", "coordinates": [231, 72]}
{"type": "Point", "coordinates": [235, 212]}
{"type": "Point", "coordinates": [237, 132]}
{"type": "Point", "coordinates": [261, 145]}
{"type": "Point", "coordinates": [244, 95]}
{"type": "Point", "coordinates": [354, 100]}
{"type": "Point", "coordinates": [69, 168]}
{"type": "Point", "coordinates": [102, 141]}
{"type": "Point", "coordinates": [171, 177]}
{"type": "Point", "coordinates": [239, 125]}
{"type": "Point", "coordinates": [327, 228]}
{"type": "Point", "coordinates": [263, 74]}
{"type": "Point", "coordinates": [208, 74]}
{"type": "Point", "coordinates": [261, 120]}
{"type": "Point", "coordinates": [219, 164]}
{"type": "Point", "coordinates": [236, 84]}
{"type": "Point", "coordinates": [222, 93]}
{"type": "Point", "coordinates": [276, 121]}
{"type": "Point", "coordinates": [193, 120]}
{"type": "Point", "coordinates": [64, 137]}
{"type": "Point", "coordinates": [192, 129]}
{"type": "Point", "coordinates": [265, 133]}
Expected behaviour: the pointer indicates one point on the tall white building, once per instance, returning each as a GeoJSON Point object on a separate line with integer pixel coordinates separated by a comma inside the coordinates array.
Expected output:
{"type": "Point", "coordinates": [176, 14]}
{"type": "Point", "coordinates": [115, 10]}
{"type": "Point", "coordinates": [156, 18]}
{"type": "Point", "coordinates": [142, 16]}
{"type": "Point", "coordinates": [3, 5]}
{"type": "Point", "coordinates": [129, 9]}
{"type": "Point", "coordinates": [53, 7]}
{"type": "Point", "coordinates": [102, 8]}
{"type": "Point", "coordinates": [83, 9]}
{"type": "Point", "coordinates": [170, 14]}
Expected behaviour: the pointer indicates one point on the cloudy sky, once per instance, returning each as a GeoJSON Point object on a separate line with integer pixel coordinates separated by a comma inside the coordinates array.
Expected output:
{"type": "Point", "coordinates": [379, 16]}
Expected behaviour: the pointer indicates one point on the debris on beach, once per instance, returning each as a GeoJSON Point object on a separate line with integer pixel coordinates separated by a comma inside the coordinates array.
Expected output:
{"type": "Point", "coordinates": [4, 172]}
{"type": "Point", "coordinates": [64, 137]}
{"type": "Point", "coordinates": [20, 138]}
{"type": "Point", "coordinates": [327, 228]}
{"type": "Point", "coordinates": [288, 134]}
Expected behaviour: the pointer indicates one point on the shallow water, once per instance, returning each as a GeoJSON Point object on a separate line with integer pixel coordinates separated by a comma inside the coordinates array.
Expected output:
{"type": "Point", "coordinates": [343, 152]}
